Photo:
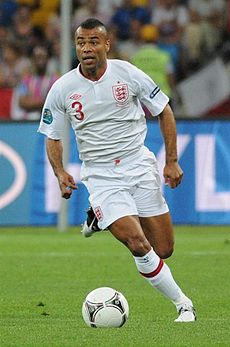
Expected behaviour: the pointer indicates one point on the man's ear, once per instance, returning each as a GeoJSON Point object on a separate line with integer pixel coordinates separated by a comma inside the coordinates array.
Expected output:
{"type": "Point", "coordinates": [107, 46]}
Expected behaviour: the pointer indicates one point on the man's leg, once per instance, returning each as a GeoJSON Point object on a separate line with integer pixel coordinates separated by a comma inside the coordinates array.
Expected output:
{"type": "Point", "coordinates": [128, 230]}
{"type": "Point", "coordinates": [159, 232]}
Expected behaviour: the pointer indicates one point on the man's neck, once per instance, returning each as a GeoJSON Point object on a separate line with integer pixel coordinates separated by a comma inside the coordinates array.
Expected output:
{"type": "Point", "coordinates": [94, 74]}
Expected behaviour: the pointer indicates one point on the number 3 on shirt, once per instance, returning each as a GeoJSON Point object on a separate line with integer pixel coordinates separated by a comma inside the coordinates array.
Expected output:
{"type": "Point", "coordinates": [78, 109]}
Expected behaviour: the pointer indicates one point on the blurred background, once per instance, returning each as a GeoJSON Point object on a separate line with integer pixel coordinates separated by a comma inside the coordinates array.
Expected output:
{"type": "Point", "coordinates": [183, 45]}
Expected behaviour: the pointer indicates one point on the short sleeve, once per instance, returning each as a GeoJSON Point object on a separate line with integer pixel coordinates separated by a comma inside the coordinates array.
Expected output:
{"type": "Point", "coordinates": [148, 92]}
{"type": "Point", "coordinates": [53, 114]}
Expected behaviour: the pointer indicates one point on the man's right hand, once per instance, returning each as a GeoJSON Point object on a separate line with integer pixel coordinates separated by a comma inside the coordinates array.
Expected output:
{"type": "Point", "coordinates": [66, 184]}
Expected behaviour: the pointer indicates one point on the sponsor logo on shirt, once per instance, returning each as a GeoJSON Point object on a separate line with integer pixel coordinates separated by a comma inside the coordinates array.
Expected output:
{"type": "Point", "coordinates": [47, 116]}
{"type": "Point", "coordinates": [120, 93]}
{"type": "Point", "coordinates": [154, 92]}
{"type": "Point", "coordinates": [75, 96]}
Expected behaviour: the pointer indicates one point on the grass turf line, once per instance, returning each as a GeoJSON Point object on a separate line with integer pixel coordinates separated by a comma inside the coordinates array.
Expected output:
{"type": "Point", "coordinates": [45, 276]}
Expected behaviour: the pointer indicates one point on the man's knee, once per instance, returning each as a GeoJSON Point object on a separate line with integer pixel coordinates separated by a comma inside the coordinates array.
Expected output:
{"type": "Point", "coordinates": [129, 232]}
{"type": "Point", "coordinates": [138, 246]}
{"type": "Point", "coordinates": [164, 251]}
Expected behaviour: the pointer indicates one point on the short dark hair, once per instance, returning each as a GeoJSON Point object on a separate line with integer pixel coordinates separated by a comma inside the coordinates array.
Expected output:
{"type": "Point", "coordinates": [92, 23]}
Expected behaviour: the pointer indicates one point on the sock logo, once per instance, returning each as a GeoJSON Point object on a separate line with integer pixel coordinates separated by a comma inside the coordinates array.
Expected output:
{"type": "Point", "coordinates": [144, 259]}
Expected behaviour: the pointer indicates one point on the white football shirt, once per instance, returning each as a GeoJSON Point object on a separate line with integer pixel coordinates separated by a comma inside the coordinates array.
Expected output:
{"type": "Point", "coordinates": [106, 115]}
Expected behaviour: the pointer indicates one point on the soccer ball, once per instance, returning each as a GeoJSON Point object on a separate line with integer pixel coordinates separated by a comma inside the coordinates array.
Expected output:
{"type": "Point", "coordinates": [105, 308]}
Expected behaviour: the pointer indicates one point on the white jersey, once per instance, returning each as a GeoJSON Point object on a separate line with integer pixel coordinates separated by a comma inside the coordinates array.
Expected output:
{"type": "Point", "coordinates": [106, 115]}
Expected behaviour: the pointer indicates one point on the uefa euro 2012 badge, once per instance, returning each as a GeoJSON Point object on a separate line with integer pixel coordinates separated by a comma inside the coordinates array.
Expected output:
{"type": "Point", "coordinates": [47, 116]}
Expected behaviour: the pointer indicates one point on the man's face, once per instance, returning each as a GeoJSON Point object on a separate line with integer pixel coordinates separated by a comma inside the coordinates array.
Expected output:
{"type": "Point", "coordinates": [92, 46]}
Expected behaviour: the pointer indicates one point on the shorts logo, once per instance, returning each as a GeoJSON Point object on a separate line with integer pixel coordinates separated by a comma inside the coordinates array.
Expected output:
{"type": "Point", "coordinates": [98, 213]}
{"type": "Point", "coordinates": [120, 93]}
{"type": "Point", "coordinates": [47, 116]}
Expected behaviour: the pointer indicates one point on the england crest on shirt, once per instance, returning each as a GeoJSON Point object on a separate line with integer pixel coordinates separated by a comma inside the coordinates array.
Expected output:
{"type": "Point", "coordinates": [121, 93]}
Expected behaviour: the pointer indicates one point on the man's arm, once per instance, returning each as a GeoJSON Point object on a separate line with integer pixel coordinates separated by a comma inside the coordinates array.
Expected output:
{"type": "Point", "coordinates": [66, 182]}
{"type": "Point", "coordinates": [172, 171]}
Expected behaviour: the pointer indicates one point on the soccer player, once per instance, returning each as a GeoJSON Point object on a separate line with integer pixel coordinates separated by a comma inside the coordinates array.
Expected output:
{"type": "Point", "coordinates": [102, 100]}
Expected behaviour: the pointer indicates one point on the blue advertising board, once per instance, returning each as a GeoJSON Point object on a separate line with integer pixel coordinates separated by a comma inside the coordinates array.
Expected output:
{"type": "Point", "coordinates": [17, 143]}
{"type": "Point", "coordinates": [29, 193]}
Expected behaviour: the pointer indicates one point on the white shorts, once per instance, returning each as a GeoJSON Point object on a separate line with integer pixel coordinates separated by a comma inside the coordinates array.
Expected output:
{"type": "Point", "coordinates": [127, 187]}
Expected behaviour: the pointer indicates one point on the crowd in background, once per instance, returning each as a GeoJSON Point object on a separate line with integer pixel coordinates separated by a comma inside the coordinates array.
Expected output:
{"type": "Point", "coordinates": [169, 39]}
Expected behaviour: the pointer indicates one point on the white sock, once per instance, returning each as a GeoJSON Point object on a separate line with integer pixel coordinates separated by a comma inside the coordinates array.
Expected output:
{"type": "Point", "coordinates": [158, 274]}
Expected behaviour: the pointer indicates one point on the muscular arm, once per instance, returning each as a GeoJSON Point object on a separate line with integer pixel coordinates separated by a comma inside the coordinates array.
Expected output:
{"type": "Point", "coordinates": [66, 182]}
{"type": "Point", "coordinates": [172, 171]}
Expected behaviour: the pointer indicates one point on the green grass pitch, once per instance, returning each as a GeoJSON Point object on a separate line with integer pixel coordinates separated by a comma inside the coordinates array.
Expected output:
{"type": "Point", "coordinates": [45, 276]}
